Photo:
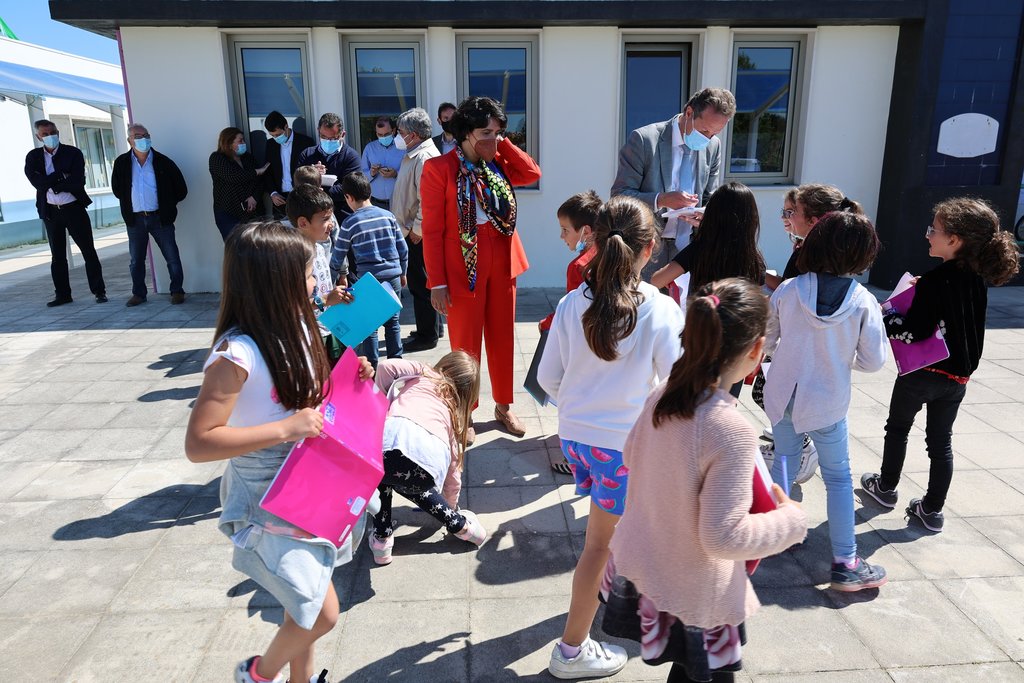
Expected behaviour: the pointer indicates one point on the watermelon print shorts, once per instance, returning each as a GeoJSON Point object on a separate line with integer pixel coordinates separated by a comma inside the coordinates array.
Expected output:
{"type": "Point", "coordinates": [599, 473]}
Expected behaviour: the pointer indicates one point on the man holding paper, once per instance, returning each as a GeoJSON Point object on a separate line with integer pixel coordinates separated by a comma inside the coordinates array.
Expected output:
{"type": "Point", "coordinates": [676, 164]}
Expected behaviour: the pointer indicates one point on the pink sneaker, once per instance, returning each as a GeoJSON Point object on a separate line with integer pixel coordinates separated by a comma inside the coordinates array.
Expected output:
{"type": "Point", "coordinates": [381, 548]}
{"type": "Point", "coordinates": [474, 531]}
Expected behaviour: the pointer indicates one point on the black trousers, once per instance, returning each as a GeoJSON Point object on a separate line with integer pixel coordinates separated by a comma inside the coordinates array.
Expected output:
{"type": "Point", "coordinates": [677, 674]}
{"type": "Point", "coordinates": [910, 393]}
{"type": "Point", "coordinates": [428, 322]}
{"type": "Point", "coordinates": [71, 219]}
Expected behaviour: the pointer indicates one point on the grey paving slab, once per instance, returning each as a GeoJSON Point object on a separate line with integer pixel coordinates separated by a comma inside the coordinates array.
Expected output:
{"type": "Point", "coordinates": [1003, 672]}
{"type": "Point", "coordinates": [14, 564]}
{"type": "Point", "coordinates": [74, 479]}
{"type": "Point", "coordinates": [858, 676]}
{"type": "Point", "coordinates": [70, 582]}
{"type": "Point", "coordinates": [885, 622]}
{"type": "Point", "coordinates": [18, 475]}
{"type": "Point", "coordinates": [1005, 531]}
{"type": "Point", "coordinates": [978, 493]}
{"type": "Point", "coordinates": [38, 647]}
{"type": "Point", "coordinates": [41, 444]}
{"type": "Point", "coordinates": [996, 605]}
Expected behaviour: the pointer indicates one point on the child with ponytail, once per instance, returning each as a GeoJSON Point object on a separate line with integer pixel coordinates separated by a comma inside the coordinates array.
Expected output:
{"type": "Point", "coordinates": [611, 341]}
{"type": "Point", "coordinates": [965, 234]}
{"type": "Point", "coordinates": [823, 325]}
{"type": "Point", "coordinates": [680, 547]}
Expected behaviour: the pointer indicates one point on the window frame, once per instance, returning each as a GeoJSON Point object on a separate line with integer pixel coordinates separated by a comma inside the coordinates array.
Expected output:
{"type": "Point", "coordinates": [352, 42]}
{"type": "Point", "coordinates": [239, 42]}
{"type": "Point", "coordinates": [687, 43]}
{"type": "Point", "coordinates": [531, 43]}
{"type": "Point", "coordinates": [799, 43]}
{"type": "Point", "coordinates": [79, 125]}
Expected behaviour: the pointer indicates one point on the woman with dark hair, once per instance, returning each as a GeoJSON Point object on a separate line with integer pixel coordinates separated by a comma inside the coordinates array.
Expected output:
{"type": "Point", "coordinates": [236, 190]}
{"type": "Point", "coordinates": [471, 248]}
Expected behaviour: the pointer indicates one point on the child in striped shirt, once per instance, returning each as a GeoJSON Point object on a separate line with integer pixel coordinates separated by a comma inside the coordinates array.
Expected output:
{"type": "Point", "coordinates": [377, 246]}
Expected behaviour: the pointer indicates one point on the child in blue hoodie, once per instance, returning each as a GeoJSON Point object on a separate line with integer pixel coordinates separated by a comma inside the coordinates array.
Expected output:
{"type": "Point", "coordinates": [822, 325]}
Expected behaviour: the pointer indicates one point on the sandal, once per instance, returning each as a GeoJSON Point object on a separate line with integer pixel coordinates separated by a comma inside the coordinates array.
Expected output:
{"type": "Point", "coordinates": [510, 421]}
{"type": "Point", "coordinates": [562, 466]}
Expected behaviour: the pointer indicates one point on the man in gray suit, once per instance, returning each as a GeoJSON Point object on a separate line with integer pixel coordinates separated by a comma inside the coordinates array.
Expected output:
{"type": "Point", "coordinates": [676, 164]}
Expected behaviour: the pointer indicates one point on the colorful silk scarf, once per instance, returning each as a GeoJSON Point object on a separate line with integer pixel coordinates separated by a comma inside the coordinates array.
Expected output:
{"type": "Point", "coordinates": [484, 184]}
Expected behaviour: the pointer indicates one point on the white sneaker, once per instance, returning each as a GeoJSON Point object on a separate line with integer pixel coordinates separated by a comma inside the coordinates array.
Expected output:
{"type": "Point", "coordinates": [595, 659]}
{"type": "Point", "coordinates": [242, 672]}
{"type": "Point", "coordinates": [381, 548]}
{"type": "Point", "coordinates": [767, 435]}
{"type": "Point", "coordinates": [474, 531]}
{"type": "Point", "coordinates": [768, 453]}
{"type": "Point", "coordinates": [808, 462]}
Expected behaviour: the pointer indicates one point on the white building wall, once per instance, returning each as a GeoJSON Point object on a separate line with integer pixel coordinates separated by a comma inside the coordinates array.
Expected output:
{"type": "Point", "coordinates": [845, 96]}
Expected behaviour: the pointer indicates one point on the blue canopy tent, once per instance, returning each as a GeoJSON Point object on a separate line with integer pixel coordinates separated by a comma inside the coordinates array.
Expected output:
{"type": "Point", "coordinates": [28, 80]}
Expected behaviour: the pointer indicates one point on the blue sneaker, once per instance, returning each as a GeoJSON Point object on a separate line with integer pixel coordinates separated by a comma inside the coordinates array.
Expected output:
{"type": "Point", "coordinates": [861, 577]}
{"type": "Point", "coordinates": [932, 521]}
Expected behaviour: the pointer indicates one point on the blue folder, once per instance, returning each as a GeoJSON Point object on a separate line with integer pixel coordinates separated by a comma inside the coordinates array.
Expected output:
{"type": "Point", "coordinates": [372, 305]}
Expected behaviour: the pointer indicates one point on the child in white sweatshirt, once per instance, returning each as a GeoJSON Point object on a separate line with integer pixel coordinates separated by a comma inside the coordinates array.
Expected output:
{"type": "Point", "coordinates": [612, 340]}
{"type": "Point", "coordinates": [822, 325]}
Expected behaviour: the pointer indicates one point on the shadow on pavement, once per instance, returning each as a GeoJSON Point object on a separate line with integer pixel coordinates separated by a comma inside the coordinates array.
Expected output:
{"type": "Point", "coordinates": [161, 509]}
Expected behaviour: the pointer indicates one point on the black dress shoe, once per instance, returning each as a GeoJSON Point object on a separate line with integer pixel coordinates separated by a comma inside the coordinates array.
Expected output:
{"type": "Point", "coordinates": [419, 344]}
{"type": "Point", "coordinates": [59, 301]}
{"type": "Point", "coordinates": [101, 298]}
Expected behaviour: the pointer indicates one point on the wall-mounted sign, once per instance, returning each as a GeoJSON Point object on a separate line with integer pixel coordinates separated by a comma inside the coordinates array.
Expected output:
{"type": "Point", "coordinates": [968, 135]}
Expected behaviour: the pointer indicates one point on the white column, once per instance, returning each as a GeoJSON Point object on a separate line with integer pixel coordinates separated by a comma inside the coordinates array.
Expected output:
{"type": "Point", "coordinates": [117, 122]}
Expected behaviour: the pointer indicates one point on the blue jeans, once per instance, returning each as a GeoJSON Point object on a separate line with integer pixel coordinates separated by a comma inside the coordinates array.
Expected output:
{"type": "Point", "coordinates": [392, 331]}
{"type": "Point", "coordinates": [138, 240]}
{"type": "Point", "coordinates": [834, 458]}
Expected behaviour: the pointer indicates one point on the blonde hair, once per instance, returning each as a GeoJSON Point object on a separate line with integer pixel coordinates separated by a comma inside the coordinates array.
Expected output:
{"type": "Point", "coordinates": [458, 384]}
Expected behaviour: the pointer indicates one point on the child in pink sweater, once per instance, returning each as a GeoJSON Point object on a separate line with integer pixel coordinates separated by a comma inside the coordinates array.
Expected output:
{"type": "Point", "coordinates": [424, 443]}
{"type": "Point", "coordinates": [678, 582]}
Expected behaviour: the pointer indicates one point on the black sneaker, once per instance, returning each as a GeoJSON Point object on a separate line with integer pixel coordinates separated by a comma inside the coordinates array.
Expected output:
{"type": "Point", "coordinates": [59, 301]}
{"type": "Point", "coordinates": [419, 344]}
{"type": "Point", "coordinates": [861, 577]}
{"type": "Point", "coordinates": [101, 298]}
{"type": "Point", "coordinates": [932, 521]}
{"type": "Point", "coordinates": [872, 485]}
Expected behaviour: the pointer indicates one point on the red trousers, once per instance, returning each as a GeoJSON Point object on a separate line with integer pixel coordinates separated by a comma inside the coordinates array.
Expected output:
{"type": "Point", "coordinates": [489, 315]}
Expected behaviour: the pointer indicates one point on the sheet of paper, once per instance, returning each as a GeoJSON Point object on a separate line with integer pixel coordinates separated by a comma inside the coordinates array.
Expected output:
{"type": "Point", "coordinates": [686, 211]}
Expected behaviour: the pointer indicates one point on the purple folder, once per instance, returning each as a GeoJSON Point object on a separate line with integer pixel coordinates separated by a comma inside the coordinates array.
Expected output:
{"type": "Point", "coordinates": [325, 482]}
{"type": "Point", "coordinates": [920, 354]}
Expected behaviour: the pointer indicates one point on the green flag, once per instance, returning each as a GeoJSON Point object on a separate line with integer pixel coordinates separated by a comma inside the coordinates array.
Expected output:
{"type": "Point", "coordinates": [5, 31]}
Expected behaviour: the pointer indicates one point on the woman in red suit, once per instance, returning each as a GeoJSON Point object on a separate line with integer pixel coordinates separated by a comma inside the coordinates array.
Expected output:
{"type": "Point", "coordinates": [471, 248]}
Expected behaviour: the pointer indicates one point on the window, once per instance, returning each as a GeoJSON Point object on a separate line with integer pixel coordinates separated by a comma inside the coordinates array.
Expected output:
{"type": "Point", "coordinates": [383, 80]}
{"type": "Point", "coordinates": [504, 70]}
{"type": "Point", "coordinates": [657, 83]}
{"type": "Point", "coordinates": [270, 76]}
{"type": "Point", "coordinates": [97, 145]}
{"type": "Point", "coordinates": [765, 80]}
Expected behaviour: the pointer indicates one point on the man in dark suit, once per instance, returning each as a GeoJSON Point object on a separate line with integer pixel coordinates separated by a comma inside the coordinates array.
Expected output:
{"type": "Point", "coordinates": [676, 164]}
{"type": "Point", "coordinates": [283, 150]}
{"type": "Point", "coordinates": [149, 186]}
{"type": "Point", "coordinates": [333, 157]}
{"type": "Point", "coordinates": [58, 173]}
{"type": "Point", "coordinates": [445, 142]}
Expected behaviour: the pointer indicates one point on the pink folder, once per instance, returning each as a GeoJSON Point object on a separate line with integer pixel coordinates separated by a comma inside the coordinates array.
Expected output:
{"type": "Point", "coordinates": [325, 482]}
{"type": "Point", "coordinates": [763, 501]}
{"type": "Point", "coordinates": [910, 357]}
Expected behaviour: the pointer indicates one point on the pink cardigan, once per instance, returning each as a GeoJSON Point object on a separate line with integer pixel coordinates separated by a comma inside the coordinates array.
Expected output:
{"type": "Point", "coordinates": [687, 528]}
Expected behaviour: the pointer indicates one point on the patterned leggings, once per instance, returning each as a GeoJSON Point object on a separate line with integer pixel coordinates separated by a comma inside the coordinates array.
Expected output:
{"type": "Point", "coordinates": [412, 481]}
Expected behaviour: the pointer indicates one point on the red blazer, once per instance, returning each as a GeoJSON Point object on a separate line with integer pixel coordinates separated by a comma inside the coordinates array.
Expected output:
{"type": "Point", "coordinates": [442, 249]}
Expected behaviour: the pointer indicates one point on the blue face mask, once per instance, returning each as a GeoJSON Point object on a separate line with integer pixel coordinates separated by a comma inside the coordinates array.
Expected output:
{"type": "Point", "coordinates": [143, 144]}
{"type": "Point", "coordinates": [242, 148]}
{"type": "Point", "coordinates": [51, 140]}
{"type": "Point", "coordinates": [330, 146]}
{"type": "Point", "coordinates": [695, 140]}
{"type": "Point", "coordinates": [386, 140]}
{"type": "Point", "coordinates": [581, 247]}
{"type": "Point", "coordinates": [281, 139]}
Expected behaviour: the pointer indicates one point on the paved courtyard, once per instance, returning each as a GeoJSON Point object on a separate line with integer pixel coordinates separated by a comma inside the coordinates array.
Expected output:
{"type": "Point", "coordinates": [111, 566]}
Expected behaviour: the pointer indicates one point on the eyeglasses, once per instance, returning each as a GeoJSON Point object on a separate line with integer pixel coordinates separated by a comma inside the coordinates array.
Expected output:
{"type": "Point", "coordinates": [787, 214]}
{"type": "Point", "coordinates": [930, 231]}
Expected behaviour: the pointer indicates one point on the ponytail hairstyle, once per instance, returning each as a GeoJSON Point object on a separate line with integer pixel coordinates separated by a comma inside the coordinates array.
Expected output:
{"type": "Point", "coordinates": [458, 384]}
{"type": "Point", "coordinates": [727, 238]}
{"type": "Point", "coordinates": [264, 295]}
{"type": "Point", "coordinates": [623, 229]}
{"type": "Point", "coordinates": [815, 200]}
{"type": "Point", "coordinates": [723, 321]}
{"type": "Point", "coordinates": [985, 249]}
{"type": "Point", "coordinates": [842, 243]}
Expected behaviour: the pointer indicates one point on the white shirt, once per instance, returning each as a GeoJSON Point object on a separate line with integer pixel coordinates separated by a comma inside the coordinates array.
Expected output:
{"type": "Point", "coordinates": [257, 402]}
{"type": "Point", "coordinates": [144, 196]}
{"type": "Point", "coordinates": [55, 198]}
{"type": "Point", "coordinates": [598, 400]}
{"type": "Point", "coordinates": [286, 163]}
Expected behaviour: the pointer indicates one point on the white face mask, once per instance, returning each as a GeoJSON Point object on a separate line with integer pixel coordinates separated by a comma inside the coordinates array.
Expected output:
{"type": "Point", "coordinates": [400, 142]}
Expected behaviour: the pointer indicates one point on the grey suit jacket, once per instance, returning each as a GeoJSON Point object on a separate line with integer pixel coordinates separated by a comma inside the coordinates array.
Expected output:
{"type": "Point", "coordinates": [645, 165]}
